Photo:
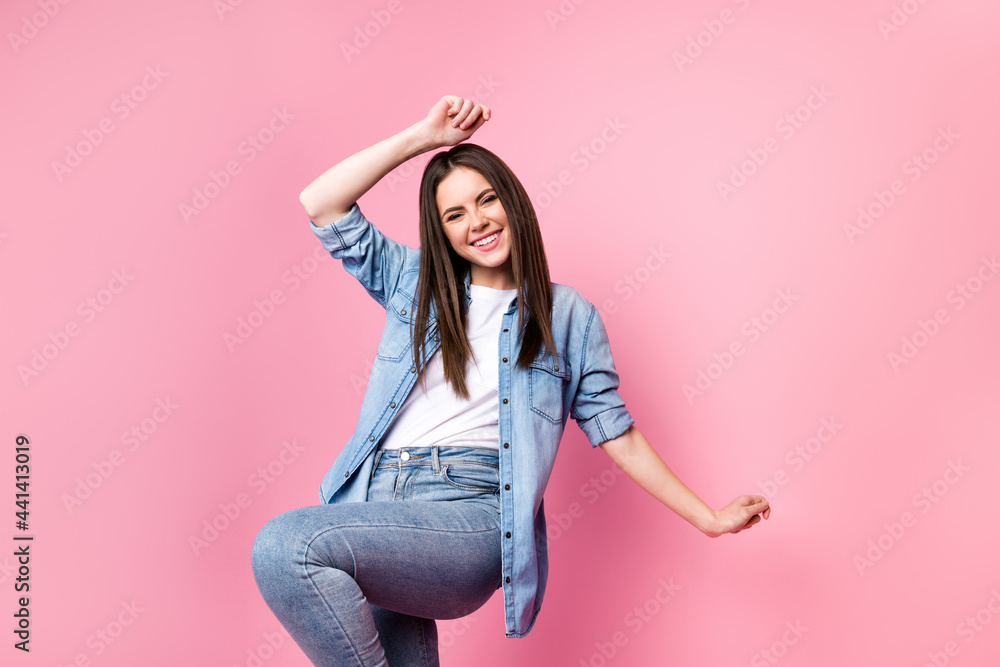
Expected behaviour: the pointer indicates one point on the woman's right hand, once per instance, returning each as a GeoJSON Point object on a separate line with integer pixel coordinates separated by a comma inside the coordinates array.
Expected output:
{"type": "Point", "coordinates": [445, 120]}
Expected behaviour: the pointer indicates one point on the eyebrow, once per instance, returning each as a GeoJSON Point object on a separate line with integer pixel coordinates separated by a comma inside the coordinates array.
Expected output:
{"type": "Point", "coordinates": [456, 208]}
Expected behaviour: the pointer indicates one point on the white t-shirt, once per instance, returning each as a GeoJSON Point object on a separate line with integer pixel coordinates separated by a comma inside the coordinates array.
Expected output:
{"type": "Point", "coordinates": [439, 417]}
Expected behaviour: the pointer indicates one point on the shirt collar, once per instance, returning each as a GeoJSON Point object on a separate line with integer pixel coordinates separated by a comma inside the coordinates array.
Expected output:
{"type": "Point", "coordinates": [511, 308]}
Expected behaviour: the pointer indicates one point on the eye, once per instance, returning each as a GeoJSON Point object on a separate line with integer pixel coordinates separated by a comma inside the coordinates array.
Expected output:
{"type": "Point", "coordinates": [452, 217]}
{"type": "Point", "coordinates": [489, 198]}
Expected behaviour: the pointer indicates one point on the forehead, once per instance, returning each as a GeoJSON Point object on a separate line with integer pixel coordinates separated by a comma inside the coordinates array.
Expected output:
{"type": "Point", "coordinates": [461, 185]}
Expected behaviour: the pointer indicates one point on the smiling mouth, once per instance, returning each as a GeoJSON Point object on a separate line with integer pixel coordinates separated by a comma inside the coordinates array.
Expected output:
{"type": "Point", "coordinates": [487, 240]}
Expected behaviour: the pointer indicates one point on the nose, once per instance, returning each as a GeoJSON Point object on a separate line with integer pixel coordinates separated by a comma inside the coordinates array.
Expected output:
{"type": "Point", "coordinates": [479, 220]}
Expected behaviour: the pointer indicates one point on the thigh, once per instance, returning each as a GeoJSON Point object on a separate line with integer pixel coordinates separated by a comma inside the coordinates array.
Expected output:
{"type": "Point", "coordinates": [431, 559]}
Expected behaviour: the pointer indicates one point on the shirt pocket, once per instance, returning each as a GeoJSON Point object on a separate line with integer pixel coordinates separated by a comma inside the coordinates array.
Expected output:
{"type": "Point", "coordinates": [547, 379]}
{"type": "Point", "coordinates": [395, 342]}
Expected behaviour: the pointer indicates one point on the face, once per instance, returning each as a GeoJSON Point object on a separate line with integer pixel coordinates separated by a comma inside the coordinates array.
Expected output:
{"type": "Point", "coordinates": [471, 213]}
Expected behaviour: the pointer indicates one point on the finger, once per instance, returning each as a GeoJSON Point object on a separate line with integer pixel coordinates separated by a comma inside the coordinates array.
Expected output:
{"type": "Point", "coordinates": [472, 118]}
{"type": "Point", "coordinates": [475, 126]}
{"type": "Point", "coordinates": [460, 116]}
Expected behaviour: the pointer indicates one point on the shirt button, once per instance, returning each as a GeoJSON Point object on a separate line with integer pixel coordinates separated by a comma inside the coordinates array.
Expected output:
{"type": "Point", "coordinates": [403, 312]}
{"type": "Point", "coordinates": [505, 361]}
{"type": "Point", "coordinates": [393, 404]}
{"type": "Point", "coordinates": [508, 535]}
{"type": "Point", "coordinates": [508, 580]}
{"type": "Point", "coordinates": [371, 438]}
{"type": "Point", "coordinates": [506, 487]}
{"type": "Point", "coordinates": [557, 368]}
{"type": "Point", "coordinates": [505, 401]}
{"type": "Point", "coordinates": [347, 474]}
{"type": "Point", "coordinates": [506, 445]}
{"type": "Point", "coordinates": [505, 330]}
{"type": "Point", "coordinates": [413, 369]}
{"type": "Point", "coordinates": [435, 338]}
{"type": "Point", "coordinates": [405, 456]}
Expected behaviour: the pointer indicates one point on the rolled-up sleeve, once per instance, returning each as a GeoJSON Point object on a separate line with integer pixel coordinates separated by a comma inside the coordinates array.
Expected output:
{"type": "Point", "coordinates": [598, 408]}
{"type": "Point", "coordinates": [366, 253]}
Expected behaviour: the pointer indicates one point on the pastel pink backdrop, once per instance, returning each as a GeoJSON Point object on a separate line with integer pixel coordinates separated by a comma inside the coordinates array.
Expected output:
{"type": "Point", "coordinates": [840, 561]}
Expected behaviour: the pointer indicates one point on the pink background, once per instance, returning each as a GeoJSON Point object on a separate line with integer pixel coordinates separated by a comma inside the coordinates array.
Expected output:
{"type": "Point", "coordinates": [651, 181]}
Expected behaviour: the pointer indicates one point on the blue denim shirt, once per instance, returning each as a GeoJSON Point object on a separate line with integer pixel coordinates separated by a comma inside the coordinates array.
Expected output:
{"type": "Point", "coordinates": [580, 381]}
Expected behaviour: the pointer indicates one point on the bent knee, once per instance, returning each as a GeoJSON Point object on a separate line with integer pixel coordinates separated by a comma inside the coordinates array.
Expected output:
{"type": "Point", "coordinates": [294, 538]}
{"type": "Point", "coordinates": [276, 543]}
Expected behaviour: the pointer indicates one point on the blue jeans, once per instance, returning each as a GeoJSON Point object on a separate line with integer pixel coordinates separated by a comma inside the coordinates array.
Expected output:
{"type": "Point", "coordinates": [360, 584]}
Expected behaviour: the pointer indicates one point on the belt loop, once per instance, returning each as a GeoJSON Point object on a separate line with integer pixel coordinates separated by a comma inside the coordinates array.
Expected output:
{"type": "Point", "coordinates": [434, 459]}
{"type": "Point", "coordinates": [378, 455]}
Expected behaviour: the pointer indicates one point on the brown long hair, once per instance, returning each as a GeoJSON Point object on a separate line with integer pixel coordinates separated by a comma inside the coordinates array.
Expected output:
{"type": "Point", "coordinates": [442, 271]}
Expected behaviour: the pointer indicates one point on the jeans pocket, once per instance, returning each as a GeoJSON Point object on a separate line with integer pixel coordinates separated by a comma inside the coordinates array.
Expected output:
{"type": "Point", "coordinates": [472, 476]}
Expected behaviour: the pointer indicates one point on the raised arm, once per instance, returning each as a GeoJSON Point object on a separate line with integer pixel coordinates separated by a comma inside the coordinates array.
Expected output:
{"type": "Point", "coordinates": [450, 121]}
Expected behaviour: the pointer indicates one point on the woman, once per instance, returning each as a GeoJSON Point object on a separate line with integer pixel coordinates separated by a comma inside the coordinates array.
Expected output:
{"type": "Point", "coordinates": [436, 500]}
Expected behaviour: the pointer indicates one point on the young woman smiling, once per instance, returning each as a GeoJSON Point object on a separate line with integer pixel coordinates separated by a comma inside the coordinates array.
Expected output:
{"type": "Point", "coordinates": [436, 501]}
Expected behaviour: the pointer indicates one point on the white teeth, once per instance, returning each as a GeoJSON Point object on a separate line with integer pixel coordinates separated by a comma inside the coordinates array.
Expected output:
{"type": "Point", "coordinates": [488, 240]}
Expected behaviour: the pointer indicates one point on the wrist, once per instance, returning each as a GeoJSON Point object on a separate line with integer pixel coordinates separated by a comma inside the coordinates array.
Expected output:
{"type": "Point", "coordinates": [708, 523]}
{"type": "Point", "coordinates": [419, 139]}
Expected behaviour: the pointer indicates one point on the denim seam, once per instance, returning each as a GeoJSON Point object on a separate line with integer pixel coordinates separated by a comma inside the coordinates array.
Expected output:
{"type": "Point", "coordinates": [423, 641]}
{"type": "Point", "coordinates": [363, 525]}
{"type": "Point", "coordinates": [446, 477]}
{"type": "Point", "coordinates": [330, 608]}
{"type": "Point", "coordinates": [390, 525]}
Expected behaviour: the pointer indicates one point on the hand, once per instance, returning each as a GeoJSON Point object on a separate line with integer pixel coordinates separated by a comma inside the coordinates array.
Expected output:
{"type": "Point", "coordinates": [445, 119]}
{"type": "Point", "coordinates": [739, 515]}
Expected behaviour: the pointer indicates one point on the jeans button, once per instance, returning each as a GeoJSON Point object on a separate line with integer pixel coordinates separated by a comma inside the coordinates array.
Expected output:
{"type": "Point", "coordinates": [405, 456]}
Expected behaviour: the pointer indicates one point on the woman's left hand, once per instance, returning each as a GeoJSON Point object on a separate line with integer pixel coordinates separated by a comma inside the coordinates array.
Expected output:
{"type": "Point", "coordinates": [739, 515]}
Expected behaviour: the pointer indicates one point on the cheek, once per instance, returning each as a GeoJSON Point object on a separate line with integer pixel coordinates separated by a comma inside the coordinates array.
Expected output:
{"type": "Point", "coordinates": [452, 241]}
